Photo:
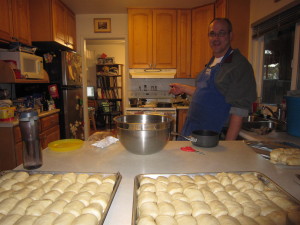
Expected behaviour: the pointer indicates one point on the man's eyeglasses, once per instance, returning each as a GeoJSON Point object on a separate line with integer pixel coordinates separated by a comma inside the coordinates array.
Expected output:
{"type": "Point", "coordinates": [220, 34]}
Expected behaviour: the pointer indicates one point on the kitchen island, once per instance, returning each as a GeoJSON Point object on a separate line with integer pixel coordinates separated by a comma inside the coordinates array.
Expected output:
{"type": "Point", "coordinates": [227, 156]}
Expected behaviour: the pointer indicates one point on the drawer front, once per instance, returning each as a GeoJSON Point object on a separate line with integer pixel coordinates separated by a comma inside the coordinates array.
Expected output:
{"type": "Point", "coordinates": [49, 121]}
{"type": "Point", "coordinates": [53, 134]}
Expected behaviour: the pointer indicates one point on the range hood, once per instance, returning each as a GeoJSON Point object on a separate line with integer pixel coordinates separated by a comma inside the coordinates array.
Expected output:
{"type": "Point", "coordinates": [152, 73]}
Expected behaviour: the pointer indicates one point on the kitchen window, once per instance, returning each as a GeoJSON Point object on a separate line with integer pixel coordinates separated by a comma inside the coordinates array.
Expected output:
{"type": "Point", "coordinates": [276, 54]}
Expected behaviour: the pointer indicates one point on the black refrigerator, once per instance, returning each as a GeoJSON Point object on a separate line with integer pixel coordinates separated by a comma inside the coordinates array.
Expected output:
{"type": "Point", "coordinates": [65, 72]}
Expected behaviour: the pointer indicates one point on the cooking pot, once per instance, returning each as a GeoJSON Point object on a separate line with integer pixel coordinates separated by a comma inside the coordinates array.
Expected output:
{"type": "Point", "coordinates": [202, 138]}
{"type": "Point", "coordinates": [164, 104]}
{"type": "Point", "coordinates": [143, 134]}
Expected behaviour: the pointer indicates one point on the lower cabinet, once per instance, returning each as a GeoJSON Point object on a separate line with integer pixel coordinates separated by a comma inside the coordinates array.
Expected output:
{"type": "Point", "coordinates": [181, 116]}
{"type": "Point", "coordinates": [11, 140]}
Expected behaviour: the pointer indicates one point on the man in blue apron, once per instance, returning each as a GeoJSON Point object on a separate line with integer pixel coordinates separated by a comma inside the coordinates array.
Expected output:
{"type": "Point", "coordinates": [225, 89]}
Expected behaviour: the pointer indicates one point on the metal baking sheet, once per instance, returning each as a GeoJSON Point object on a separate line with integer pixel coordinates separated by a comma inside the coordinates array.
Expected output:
{"type": "Point", "coordinates": [117, 183]}
{"type": "Point", "coordinates": [266, 180]}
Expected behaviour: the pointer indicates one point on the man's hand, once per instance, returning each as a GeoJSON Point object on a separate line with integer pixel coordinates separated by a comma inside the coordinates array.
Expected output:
{"type": "Point", "coordinates": [178, 89]}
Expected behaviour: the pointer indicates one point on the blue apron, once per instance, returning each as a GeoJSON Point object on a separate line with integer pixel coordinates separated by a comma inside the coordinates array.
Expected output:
{"type": "Point", "coordinates": [208, 109]}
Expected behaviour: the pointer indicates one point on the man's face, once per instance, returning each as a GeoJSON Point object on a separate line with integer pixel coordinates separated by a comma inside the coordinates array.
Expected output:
{"type": "Point", "coordinates": [219, 38]}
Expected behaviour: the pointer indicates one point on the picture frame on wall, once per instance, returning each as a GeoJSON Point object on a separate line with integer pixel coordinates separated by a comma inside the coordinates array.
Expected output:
{"type": "Point", "coordinates": [109, 60]}
{"type": "Point", "coordinates": [102, 25]}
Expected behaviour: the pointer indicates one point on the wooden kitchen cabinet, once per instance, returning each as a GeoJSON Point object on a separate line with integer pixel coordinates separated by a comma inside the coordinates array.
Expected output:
{"type": "Point", "coordinates": [184, 27]}
{"type": "Point", "coordinates": [50, 21]}
{"type": "Point", "coordinates": [240, 21]}
{"type": "Point", "coordinates": [15, 21]}
{"type": "Point", "coordinates": [152, 38]}
{"type": "Point", "coordinates": [181, 116]}
{"type": "Point", "coordinates": [49, 130]}
{"type": "Point", "coordinates": [201, 51]}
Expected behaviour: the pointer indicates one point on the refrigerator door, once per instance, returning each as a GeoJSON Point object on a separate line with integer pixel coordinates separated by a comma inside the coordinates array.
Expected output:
{"type": "Point", "coordinates": [73, 113]}
{"type": "Point", "coordinates": [71, 69]}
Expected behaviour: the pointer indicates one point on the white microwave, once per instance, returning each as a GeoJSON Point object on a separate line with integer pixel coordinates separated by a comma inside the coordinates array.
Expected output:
{"type": "Point", "coordinates": [29, 65]}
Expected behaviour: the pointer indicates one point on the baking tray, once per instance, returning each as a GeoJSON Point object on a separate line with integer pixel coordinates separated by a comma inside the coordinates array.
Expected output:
{"type": "Point", "coordinates": [117, 183]}
{"type": "Point", "coordinates": [266, 180]}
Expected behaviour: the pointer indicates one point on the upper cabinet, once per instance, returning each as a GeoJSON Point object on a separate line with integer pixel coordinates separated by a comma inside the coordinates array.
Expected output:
{"type": "Point", "coordinates": [240, 21]}
{"type": "Point", "coordinates": [51, 20]}
{"type": "Point", "coordinates": [152, 38]}
{"type": "Point", "coordinates": [201, 51]}
{"type": "Point", "coordinates": [14, 21]}
{"type": "Point", "coordinates": [184, 27]}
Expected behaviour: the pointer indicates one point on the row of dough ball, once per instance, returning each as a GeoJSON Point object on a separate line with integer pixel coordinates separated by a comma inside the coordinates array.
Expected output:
{"type": "Point", "coordinates": [197, 195]}
{"type": "Point", "coordinates": [54, 197]}
{"type": "Point", "coordinates": [286, 156]}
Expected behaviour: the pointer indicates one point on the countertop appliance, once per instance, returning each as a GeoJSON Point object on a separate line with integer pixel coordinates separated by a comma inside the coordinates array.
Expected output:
{"type": "Point", "coordinates": [65, 70]}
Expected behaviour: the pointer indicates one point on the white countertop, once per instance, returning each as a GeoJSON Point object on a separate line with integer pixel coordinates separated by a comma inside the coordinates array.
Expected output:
{"type": "Point", "coordinates": [227, 156]}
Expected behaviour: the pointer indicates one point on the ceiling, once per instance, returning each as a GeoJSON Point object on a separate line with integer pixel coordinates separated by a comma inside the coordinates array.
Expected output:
{"type": "Point", "coordinates": [120, 6]}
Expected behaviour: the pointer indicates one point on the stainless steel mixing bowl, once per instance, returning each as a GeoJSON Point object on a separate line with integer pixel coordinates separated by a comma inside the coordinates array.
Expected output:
{"type": "Point", "coordinates": [143, 134]}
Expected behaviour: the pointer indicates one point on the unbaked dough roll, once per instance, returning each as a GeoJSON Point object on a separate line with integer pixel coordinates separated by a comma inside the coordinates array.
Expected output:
{"type": "Point", "coordinates": [45, 219]}
{"type": "Point", "coordinates": [67, 196]}
{"type": "Point", "coordinates": [149, 208]}
{"type": "Point", "coordinates": [165, 208]}
{"type": "Point", "coordinates": [217, 208]}
{"type": "Point", "coordinates": [8, 183]}
{"type": "Point", "coordinates": [228, 220]}
{"type": "Point", "coordinates": [18, 186]}
{"type": "Point", "coordinates": [188, 185]}
{"type": "Point", "coordinates": [146, 220]}
{"type": "Point", "coordinates": [165, 220]}
{"type": "Point", "coordinates": [182, 208]}
{"type": "Point", "coordinates": [260, 186]}
{"type": "Point", "coordinates": [70, 177]}
{"type": "Point", "coordinates": [56, 177]}
{"type": "Point", "coordinates": [21, 206]}
{"type": "Point", "coordinates": [231, 189]}
{"type": "Point", "coordinates": [85, 219]}
{"type": "Point", "coordinates": [34, 184]}
{"type": "Point", "coordinates": [251, 209]}
{"type": "Point", "coordinates": [106, 187]}
{"type": "Point", "coordinates": [7, 193]}
{"type": "Point", "coordinates": [243, 185]}
{"type": "Point", "coordinates": [94, 209]}
{"type": "Point", "coordinates": [250, 177]}
{"type": "Point", "coordinates": [223, 195]}
{"type": "Point", "coordinates": [75, 187]}
{"type": "Point", "coordinates": [33, 177]}
{"type": "Point", "coordinates": [36, 194]}
{"type": "Point", "coordinates": [279, 217]}
{"type": "Point", "coordinates": [255, 195]}
{"type": "Point", "coordinates": [10, 219]}
{"type": "Point", "coordinates": [180, 196]}
{"type": "Point", "coordinates": [199, 179]}
{"type": "Point", "coordinates": [51, 195]}
{"type": "Point", "coordinates": [233, 207]}
{"type": "Point", "coordinates": [245, 220]}
{"type": "Point", "coordinates": [199, 208]}
{"type": "Point", "coordinates": [215, 186]}
{"type": "Point", "coordinates": [207, 219]}
{"type": "Point", "coordinates": [102, 199]}
{"type": "Point", "coordinates": [26, 220]}
{"type": "Point", "coordinates": [83, 197]}
{"type": "Point", "coordinates": [96, 178]}
{"type": "Point", "coordinates": [48, 185]}
{"type": "Point", "coordinates": [56, 207]}
{"type": "Point", "coordinates": [293, 160]}
{"type": "Point", "coordinates": [6, 176]}
{"type": "Point", "coordinates": [61, 186]}
{"type": "Point", "coordinates": [146, 196]}
{"type": "Point", "coordinates": [163, 196]}
{"type": "Point", "coordinates": [266, 206]}
{"type": "Point", "coordinates": [147, 180]}
{"type": "Point", "coordinates": [210, 178]}
{"type": "Point", "coordinates": [90, 187]}
{"type": "Point", "coordinates": [161, 186]}
{"type": "Point", "coordinates": [65, 218]}
{"type": "Point", "coordinates": [74, 207]}
{"type": "Point", "coordinates": [21, 176]}
{"type": "Point", "coordinates": [225, 180]}
{"type": "Point", "coordinates": [147, 187]}
{"type": "Point", "coordinates": [7, 204]}
{"type": "Point", "coordinates": [21, 194]}
{"type": "Point", "coordinates": [82, 177]}
{"type": "Point", "coordinates": [272, 194]}
{"type": "Point", "coordinates": [184, 220]}
{"type": "Point", "coordinates": [286, 204]}
{"type": "Point", "coordinates": [186, 178]}
{"type": "Point", "coordinates": [110, 179]}
{"type": "Point", "coordinates": [174, 179]}
{"type": "Point", "coordinates": [235, 177]}
{"type": "Point", "coordinates": [194, 194]}
{"type": "Point", "coordinates": [162, 179]}
{"type": "Point", "coordinates": [174, 187]}
{"type": "Point", "coordinates": [208, 195]}
{"type": "Point", "coordinates": [37, 207]}
{"type": "Point", "coordinates": [241, 197]}
{"type": "Point", "coordinates": [44, 178]}
{"type": "Point", "coordinates": [262, 220]}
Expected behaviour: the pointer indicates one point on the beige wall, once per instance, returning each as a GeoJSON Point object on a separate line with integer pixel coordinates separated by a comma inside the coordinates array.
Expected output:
{"type": "Point", "coordinates": [262, 8]}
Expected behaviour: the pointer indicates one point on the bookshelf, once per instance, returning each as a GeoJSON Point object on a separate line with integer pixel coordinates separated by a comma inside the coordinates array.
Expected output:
{"type": "Point", "coordinates": [109, 90]}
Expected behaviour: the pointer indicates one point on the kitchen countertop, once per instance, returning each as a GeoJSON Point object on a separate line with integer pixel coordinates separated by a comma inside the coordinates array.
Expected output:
{"type": "Point", "coordinates": [227, 156]}
{"type": "Point", "coordinates": [15, 122]}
